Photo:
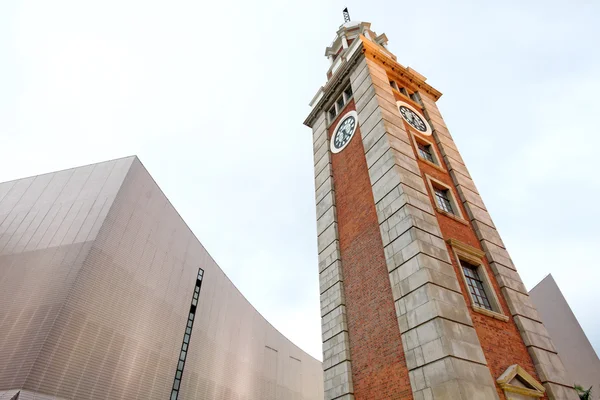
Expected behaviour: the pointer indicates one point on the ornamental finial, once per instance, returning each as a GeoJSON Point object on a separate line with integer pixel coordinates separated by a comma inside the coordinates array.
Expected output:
{"type": "Point", "coordinates": [346, 15]}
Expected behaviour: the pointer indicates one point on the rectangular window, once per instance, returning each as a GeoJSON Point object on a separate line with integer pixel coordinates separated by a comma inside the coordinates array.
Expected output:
{"type": "Point", "coordinates": [442, 199]}
{"type": "Point", "coordinates": [425, 152]}
{"type": "Point", "coordinates": [475, 285]}
{"type": "Point", "coordinates": [332, 114]}
{"type": "Point", "coordinates": [477, 280]}
{"type": "Point", "coordinates": [415, 97]}
{"type": "Point", "coordinates": [394, 85]}
{"type": "Point", "coordinates": [186, 336]}
{"type": "Point", "coordinates": [403, 91]}
{"type": "Point", "coordinates": [347, 93]}
{"type": "Point", "coordinates": [336, 108]}
{"type": "Point", "coordinates": [340, 104]}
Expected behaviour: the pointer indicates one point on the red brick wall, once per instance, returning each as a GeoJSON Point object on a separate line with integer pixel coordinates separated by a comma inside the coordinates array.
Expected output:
{"type": "Point", "coordinates": [501, 342]}
{"type": "Point", "coordinates": [378, 364]}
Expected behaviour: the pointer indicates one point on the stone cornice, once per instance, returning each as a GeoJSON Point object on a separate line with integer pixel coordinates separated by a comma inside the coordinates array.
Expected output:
{"type": "Point", "coordinates": [335, 81]}
{"type": "Point", "coordinates": [373, 51]}
{"type": "Point", "coordinates": [465, 248]}
{"type": "Point", "coordinates": [369, 50]}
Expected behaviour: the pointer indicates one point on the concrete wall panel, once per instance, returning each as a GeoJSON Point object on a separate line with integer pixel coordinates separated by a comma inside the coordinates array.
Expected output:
{"type": "Point", "coordinates": [97, 306]}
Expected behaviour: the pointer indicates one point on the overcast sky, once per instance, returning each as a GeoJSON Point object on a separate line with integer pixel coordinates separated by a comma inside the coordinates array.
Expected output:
{"type": "Point", "coordinates": [212, 95]}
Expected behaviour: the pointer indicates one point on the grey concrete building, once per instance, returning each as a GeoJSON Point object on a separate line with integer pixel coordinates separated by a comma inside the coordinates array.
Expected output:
{"type": "Point", "coordinates": [574, 348]}
{"type": "Point", "coordinates": [101, 285]}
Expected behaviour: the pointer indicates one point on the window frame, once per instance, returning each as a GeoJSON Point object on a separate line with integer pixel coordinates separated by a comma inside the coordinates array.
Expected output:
{"type": "Point", "coordinates": [407, 93]}
{"type": "Point", "coordinates": [444, 200]}
{"type": "Point", "coordinates": [425, 152]}
{"type": "Point", "coordinates": [416, 139]}
{"type": "Point", "coordinates": [342, 97]}
{"type": "Point", "coordinates": [474, 257]}
{"type": "Point", "coordinates": [457, 215]}
{"type": "Point", "coordinates": [475, 283]}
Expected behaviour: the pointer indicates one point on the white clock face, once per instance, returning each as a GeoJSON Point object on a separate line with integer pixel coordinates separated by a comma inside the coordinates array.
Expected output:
{"type": "Point", "coordinates": [414, 118]}
{"type": "Point", "coordinates": [344, 131]}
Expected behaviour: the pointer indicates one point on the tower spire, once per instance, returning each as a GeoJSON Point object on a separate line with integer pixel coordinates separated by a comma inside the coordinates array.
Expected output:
{"type": "Point", "coordinates": [346, 15]}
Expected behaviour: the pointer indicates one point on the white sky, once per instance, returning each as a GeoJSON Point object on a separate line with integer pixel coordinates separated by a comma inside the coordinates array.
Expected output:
{"type": "Point", "coordinates": [212, 96]}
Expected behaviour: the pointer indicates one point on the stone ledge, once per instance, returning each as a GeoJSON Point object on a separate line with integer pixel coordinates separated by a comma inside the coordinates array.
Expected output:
{"type": "Point", "coordinates": [338, 381]}
{"type": "Point", "coordinates": [411, 316]}
{"type": "Point", "coordinates": [520, 304]}
{"type": "Point", "coordinates": [401, 288]}
{"type": "Point", "coordinates": [327, 237]}
{"type": "Point", "coordinates": [336, 350]}
{"type": "Point", "coordinates": [329, 255]}
{"type": "Point", "coordinates": [332, 298]}
{"type": "Point", "coordinates": [559, 392]}
{"type": "Point", "coordinates": [454, 379]}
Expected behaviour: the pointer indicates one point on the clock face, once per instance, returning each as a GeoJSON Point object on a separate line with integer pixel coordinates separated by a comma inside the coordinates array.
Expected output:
{"type": "Point", "coordinates": [414, 118]}
{"type": "Point", "coordinates": [344, 131]}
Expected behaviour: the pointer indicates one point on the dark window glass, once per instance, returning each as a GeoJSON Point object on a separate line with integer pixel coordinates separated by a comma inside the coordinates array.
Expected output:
{"type": "Point", "coordinates": [475, 285]}
{"type": "Point", "coordinates": [348, 92]}
{"type": "Point", "coordinates": [415, 98]}
{"type": "Point", "coordinates": [403, 91]}
{"type": "Point", "coordinates": [332, 114]}
{"type": "Point", "coordinates": [340, 103]}
{"type": "Point", "coordinates": [442, 200]}
{"type": "Point", "coordinates": [425, 152]}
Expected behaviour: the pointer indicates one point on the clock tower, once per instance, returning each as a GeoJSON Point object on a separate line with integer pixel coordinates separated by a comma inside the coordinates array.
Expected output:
{"type": "Point", "coordinates": [419, 296]}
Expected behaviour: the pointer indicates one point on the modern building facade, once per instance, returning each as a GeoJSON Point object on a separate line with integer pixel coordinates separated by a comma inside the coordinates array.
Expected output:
{"type": "Point", "coordinates": [419, 296]}
{"type": "Point", "coordinates": [576, 351]}
{"type": "Point", "coordinates": [105, 293]}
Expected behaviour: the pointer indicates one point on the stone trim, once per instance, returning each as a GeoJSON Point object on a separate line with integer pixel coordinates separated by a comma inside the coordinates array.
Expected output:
{"type": "Point", "coordinates": [418, 138]}
{"type": "Point", "coordinates": [337, 367]}
{"type": "Point", "coordinates": [539, 345]}
{"type": "Point", "coordinates": [504, 381]}
{"type": "Point", "coordinates": [430, 183]}
{"type": "Point", "coordinates": [465, 248]}
{"type": "Point", "coordinates": [442, 350]}
{"type": "Point", "coordinates": [463, 251]}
